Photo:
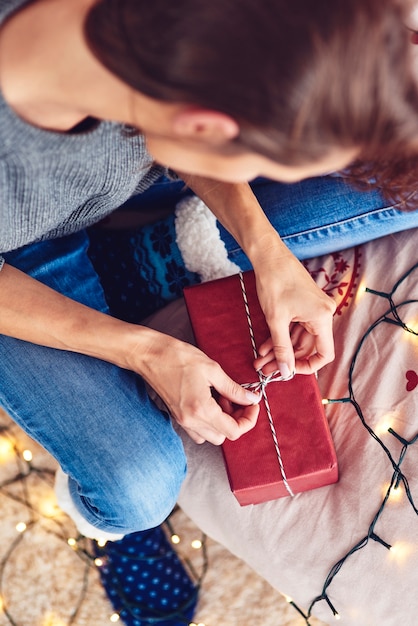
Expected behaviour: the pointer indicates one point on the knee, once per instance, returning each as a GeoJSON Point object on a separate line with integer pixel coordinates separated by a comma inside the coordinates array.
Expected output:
{"type": "Point", "coordinates": [148, 505]}
{"type": "Point", "coordinates": [141, 494]}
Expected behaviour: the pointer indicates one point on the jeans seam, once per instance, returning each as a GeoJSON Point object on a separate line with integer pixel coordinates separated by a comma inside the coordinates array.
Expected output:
{"type": "Point", "coordinates": [339, 222]}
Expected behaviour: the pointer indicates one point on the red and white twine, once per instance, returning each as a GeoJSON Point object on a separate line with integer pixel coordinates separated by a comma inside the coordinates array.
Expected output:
{"type": "Point", "coordinates": [261, 384]}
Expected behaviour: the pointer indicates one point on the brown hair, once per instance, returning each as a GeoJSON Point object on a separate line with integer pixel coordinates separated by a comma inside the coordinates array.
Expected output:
{"type": "Point", "coordinates": [301, 77]}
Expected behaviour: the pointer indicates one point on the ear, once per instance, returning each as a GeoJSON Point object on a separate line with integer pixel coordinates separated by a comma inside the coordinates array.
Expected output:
{"type": "Point", "coordinates": [205, 125]}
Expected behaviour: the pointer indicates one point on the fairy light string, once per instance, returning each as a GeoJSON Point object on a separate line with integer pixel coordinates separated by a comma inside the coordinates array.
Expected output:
{"type": "Point", "coordinates": [391, 316]}
{"type": "Point", "coordinates": [16, 487]}
{"type": "Point", "coordinates": [25, 469]}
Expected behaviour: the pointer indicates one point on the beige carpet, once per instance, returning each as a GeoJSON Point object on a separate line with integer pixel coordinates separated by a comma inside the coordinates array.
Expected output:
{"type": "Point", "coordinates": [46, 582]}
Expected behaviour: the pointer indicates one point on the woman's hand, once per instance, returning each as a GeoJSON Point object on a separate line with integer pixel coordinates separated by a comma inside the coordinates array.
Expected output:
{"type": "Point", "coordinates": [188, 382]}
{"type": "Point", "coordinates": [299, 315]}
{"type": "Point", "coordinates": [184, 377]}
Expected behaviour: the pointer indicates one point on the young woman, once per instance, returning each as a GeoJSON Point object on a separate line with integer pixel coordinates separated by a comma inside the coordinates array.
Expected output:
{"type": "Point", "coordinates": [221, 91]}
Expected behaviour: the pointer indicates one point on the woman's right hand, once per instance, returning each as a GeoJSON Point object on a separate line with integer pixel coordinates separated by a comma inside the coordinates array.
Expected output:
{"type": "Point", "coordinates": [187, 381]}
{"type": "Point", "coordinates": [184, 377]}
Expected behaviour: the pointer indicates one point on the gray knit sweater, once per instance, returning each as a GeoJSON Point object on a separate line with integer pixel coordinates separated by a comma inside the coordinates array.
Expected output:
{"type": "Point", "coordinates": [53, 184]}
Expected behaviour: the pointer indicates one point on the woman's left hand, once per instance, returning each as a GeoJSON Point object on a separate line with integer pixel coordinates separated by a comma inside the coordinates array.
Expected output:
{"type": "Point", "coordinates": [299, 315]}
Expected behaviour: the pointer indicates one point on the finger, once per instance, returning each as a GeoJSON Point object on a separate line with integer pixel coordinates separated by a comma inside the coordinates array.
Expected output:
{"type": "Point", "coordinates": [305, 346]}
{"type": "Point", "coordinates": [325, 348]}
{"type": "Point", "coordinates": [265, 347]}
{"type": "Point", "coordinates": [226, 405]}
{"type": "Point", "coordinates": [230, 427]}
{"type": "Point", "coordinates": [262, 361]}
{"type": "Point", "coordinates": [212, 424]}
{"type": "Point", "coordinates": [204, 435]}
{"type": "Point", "coordinates": [311, 364]}
{"type": "Point", "coordinates": [231, 390]}
{"type": "Point", "coordinates": [266, 351]}
{"type": "Point", "coordinates": [239, 413]}
{"type": "Point", "coordinates": [302, 343]}
{"type": "Point", "coordinates": [243, 418]}
{"type": "Point", "coordinates": [323, 355]}
{"type": "Point", "coordinates": [283, 349]}
{"type": "Point", "coordinates": [246, 419]}
{"type": "Point", "coordinates": [269, 366]}
{"type": "Point", "coordinates": [296, 332]}
{"type": "Point", "coordinates": [195, 436]}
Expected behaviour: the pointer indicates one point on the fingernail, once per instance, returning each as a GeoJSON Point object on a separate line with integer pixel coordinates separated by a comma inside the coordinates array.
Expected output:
{"type": "Point", "coordinates": [285, 371]}
{"type": "Point", "coordinates": [254, 398]}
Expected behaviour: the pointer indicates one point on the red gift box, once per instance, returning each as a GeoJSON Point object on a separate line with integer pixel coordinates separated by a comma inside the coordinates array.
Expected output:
{"type": "Point", "coordinates": [290, 449]}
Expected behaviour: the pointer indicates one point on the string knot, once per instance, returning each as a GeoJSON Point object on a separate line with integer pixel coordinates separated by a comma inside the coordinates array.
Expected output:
{"type": "Point", "coordinates": [264, 380]}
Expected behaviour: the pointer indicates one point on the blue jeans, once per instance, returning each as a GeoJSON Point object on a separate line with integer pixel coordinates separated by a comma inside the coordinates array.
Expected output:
{"type": "Point", "coordinates": [125, 462]}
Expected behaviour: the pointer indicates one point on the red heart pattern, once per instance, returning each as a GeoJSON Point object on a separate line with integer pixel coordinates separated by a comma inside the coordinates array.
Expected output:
{"type": "Point", "coordinates": [412, 380]}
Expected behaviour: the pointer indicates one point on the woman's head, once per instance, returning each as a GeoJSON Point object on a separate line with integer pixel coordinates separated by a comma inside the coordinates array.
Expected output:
{"type": "Point", "coordinates": [301, 79]}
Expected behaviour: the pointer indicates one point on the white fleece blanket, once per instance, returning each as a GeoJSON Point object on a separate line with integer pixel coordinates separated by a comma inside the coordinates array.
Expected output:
{"type": "Point", "coordinates": [294, 543]}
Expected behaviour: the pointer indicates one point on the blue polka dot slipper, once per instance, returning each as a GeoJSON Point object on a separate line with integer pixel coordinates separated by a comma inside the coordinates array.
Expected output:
{"type": "Point", "coordinates": [145, 580]}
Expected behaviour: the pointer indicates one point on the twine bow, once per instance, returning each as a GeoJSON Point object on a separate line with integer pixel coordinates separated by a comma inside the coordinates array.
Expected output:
{"type": "Point", "coordinates": [260, 385]}
{"type": "Point", "coordinates": [263, 380]}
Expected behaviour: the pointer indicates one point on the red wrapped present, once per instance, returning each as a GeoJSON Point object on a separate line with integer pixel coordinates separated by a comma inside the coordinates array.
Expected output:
{"type": "Point", "coordinates": [290, 449]}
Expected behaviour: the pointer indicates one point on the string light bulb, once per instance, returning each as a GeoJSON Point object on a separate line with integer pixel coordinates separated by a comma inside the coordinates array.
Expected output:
{"type": "Point", "coordinates": [52, 620]}
{"type": "Point", "coordinates": [175, 539]}
{"type": "Point", "coordinates": [7, 449]}
{"type": "Point", "coordinates": [400, 551]}
{"type": "Point", "coordinates": [413, 327]}
{"type": "Point", "coordinates": [101, 542]}
{"type": "Point", "coordinates": [48, 507]}
{"type": "Point", "coordinates": [115, 617]}
{"type": "Point", "coordinates": [27, 455]}
{"type": "Point", "coordinates": [386, 421]}
{"type": "Point", "coordinates": [21, 527]}
{"type": "Point", "coordinates": [396, 493]}
{"type": "Point", "coordinates": [361, 290]}
{"type": "Point", "coordinates": [196, 544]}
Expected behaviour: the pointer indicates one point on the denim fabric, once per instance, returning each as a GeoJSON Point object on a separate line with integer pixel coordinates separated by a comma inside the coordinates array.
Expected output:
{"type": "Point", "coordinates": [125, 461]}
{"type": "Point", "coordinates": [322, 215]}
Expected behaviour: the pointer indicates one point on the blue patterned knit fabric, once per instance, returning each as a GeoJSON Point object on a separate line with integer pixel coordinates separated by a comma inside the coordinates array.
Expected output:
{"type": "Point", "coordinates": [140, 270]}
